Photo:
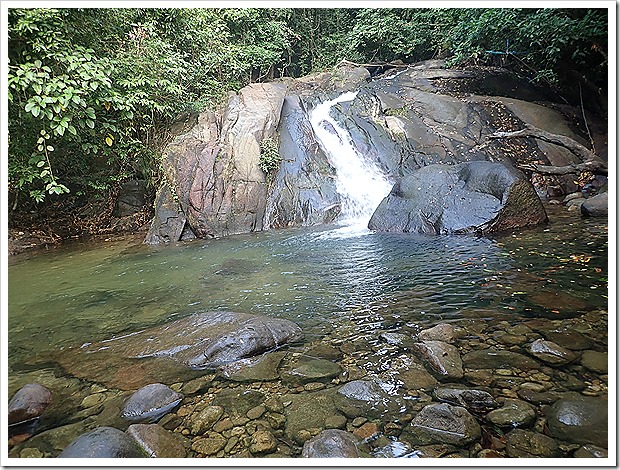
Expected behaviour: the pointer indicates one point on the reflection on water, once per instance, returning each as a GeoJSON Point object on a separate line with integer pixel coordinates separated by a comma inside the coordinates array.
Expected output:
{"type": "Point", "coordinates": [350, 284]}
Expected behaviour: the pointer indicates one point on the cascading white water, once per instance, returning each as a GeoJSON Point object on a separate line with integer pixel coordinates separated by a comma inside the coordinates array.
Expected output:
{"type": "Point", "coordinates": [359, 181]}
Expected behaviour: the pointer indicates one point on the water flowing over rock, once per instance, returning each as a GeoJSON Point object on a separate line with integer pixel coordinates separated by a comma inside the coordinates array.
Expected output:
{"type": "Point", "coordinates": [480, 197]}
{"type": "Point", "coordinates": [344, 139]}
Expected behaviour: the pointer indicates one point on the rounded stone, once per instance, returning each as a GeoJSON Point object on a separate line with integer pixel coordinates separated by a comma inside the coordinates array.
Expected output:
{"type": "Point", "coordinates": [150, 403]}
{"type": "Point", "coordinates": [579, 419]}
{"type": "Point", "coordinates": [28, 403]}
{"type": "Point", "coordinates": [103, 442]}
{"type": "Point", "coordinates": [442, 332]}
{"type": "Point", "coordinates": [209, 445]}
{"type": "Point", "coordinates": [263, 442]}
{"type": "Point", "coordinates": [595, 361]}
{"type": "Point", "coordinates": [521, 443]}
{"type": "Point", "coordinates": [443, 424]}
{"type": "Point", "coordinates": [156, 441]}
{"type": "Point", "coordinates": [513, 413]}
{"type": "Point", "coordinates": [331, 443]}
{"type": "Point", "coordinates": [205, 419]}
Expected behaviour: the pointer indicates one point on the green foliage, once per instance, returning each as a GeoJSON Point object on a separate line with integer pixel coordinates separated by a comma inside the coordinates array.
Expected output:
{"type": "Point", "coordinates": [93, 92]}
{"type": "Point", "coordinates": [270, 157]}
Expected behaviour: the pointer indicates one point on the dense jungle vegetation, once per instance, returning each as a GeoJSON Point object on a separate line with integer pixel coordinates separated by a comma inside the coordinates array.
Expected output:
{"type": "Point", "coordinates": [93, 92]}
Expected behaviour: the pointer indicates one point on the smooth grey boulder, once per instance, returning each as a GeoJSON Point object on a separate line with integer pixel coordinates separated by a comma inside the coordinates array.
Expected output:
{"type": "Point", "coordinates": [204, 340]}
{"type": "Point", "coordinates": [150, 403]}
{"type": "Point", "coordinates": [103, 443]}
{"type": "Point", "coordinates": [474, 197]}
{"type": "Point", "coordinates": [581, 419]}
{"type": "Point", "coordinates": [331, 443]}
{"type": "Point", "coordinates": [440, 423]}
{"type": "Point", "coordinates": [595, 206]}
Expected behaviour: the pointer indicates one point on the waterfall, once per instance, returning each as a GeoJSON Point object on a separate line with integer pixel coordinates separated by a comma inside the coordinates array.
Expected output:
{"type": "Point", "coordinates": [359, 181]}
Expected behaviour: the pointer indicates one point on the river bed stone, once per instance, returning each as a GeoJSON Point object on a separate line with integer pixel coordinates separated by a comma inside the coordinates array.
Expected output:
{"type": "Point", "coordinates": [331, 443]}
{"type": "Point", "coordinates": [442, 357]}
{"type": "Point", "coordinates": [442, 423]}
{"type": "Point", "coordinates": [581, 419]}
{"type": "Point", "coordinates": [150, 403]}
{"type": "Point", "coordinates": [103, 443]}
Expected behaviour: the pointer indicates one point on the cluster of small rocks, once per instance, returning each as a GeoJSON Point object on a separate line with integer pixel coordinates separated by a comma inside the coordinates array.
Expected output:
{"type": "Point", "coordinates": [527, 388]}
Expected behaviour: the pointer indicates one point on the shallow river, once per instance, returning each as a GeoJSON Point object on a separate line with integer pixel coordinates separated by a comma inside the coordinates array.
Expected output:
{"type": "Point", "coordinates": [337, 283]}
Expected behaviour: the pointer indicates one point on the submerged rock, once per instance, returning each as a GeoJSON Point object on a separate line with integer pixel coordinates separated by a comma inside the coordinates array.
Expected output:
{"type": "Point", "coordinates": [579, 419]}
{"type": "Point", "coordinates": [307, 369]}
{"type": "Point", "coordinates": [28, 403]}
{"type": "Point", "coordinates": [201, 341]}
{"type": "Point", "coordinates": [442, 332]}
{"type": "Point", "coordinates": [156, 441]}
{"type": "Point", "coordinates": [471, 399]}
{"type": "Point", "coordinates": [474, 197]}
{"type": "Point", "coordinates": [443, 358]}
{"type": "Point", "coordinates": [367, 398]}
{"type": "Point", "coordinates": [551, 353]}
{"type": "Point", "coordinates": [442, 424]}
{"type": "Point", "coordinates": [513, 413]}
{"type": "Point", "coordinates": [103, 443]}
{"type": "Point", "coordinates": [331, 443]}
{"type": "Point", "coordinates": [521, 443]}
{"type": "Point", "coordinates": [150, 403]}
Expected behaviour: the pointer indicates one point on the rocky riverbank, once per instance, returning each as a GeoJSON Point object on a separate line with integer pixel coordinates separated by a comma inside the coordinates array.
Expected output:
{"type": "Point", "coordinates": [469, 389]}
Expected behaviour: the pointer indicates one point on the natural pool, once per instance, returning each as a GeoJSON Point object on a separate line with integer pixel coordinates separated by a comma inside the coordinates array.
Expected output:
{"type": "Point", "coordinates": [346, 288]}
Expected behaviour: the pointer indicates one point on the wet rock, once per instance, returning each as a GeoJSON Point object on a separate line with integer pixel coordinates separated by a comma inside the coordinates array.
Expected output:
{"type": "Point", "coordinates": [579, 419]}
{"type": "Point", "coordinates": [254, 369]}
{"type": "Point", "coordinates": [395, 339]}
{"type": "Point", "coordinates": [471, 399]}
{"type": "Point", "coordinates": [196, 385]}
{"type": "Point", "coordinates": [513, 413]}
{"type": "Point", "coordinates": [433, 451]}
{"type": "Point", "coordinates": [150, 403]}
{"type": "Point", "coordinates": [590, 451]}
{"type": "Point", "coordinates": [595, 206]}
{"type": "Point", "coordinates": [521, 443]}
{"type": "Point", "coordinates": [131, 198]}
{"type": "Point", "coordinates": [307, 369]}
{"type": "Point", "coordinates": [263, 442]}
{"type": "Point", "coordinates": [442, 332]}
{"type": "Point", "coordinates": [204, 420]}
{"type": "Point", "coordinates": [324, 351]}
{"type": "Point", "coordinates": [314, 410]}
{"type": "Point", "coordinates": [415, 377]}
{"type": "Point", "coordinates": [237, 402]}
{"type": "Point", "coordinates": [331, 443]}
{"type": "Point", "coordinates": [551, 353]}
{"type": "Point", "coordinates": [367, 398]}
{"type": "Point", "coordinates": [201, 341]}
{"type": "Point", "coordinates": [104, 443]}
{"type": "Point", "coordinates": [156, 441]}
{"type": "Point", "coordinates": [28, 403]}
{"type": "Point", "coordinates": [498, 359]}
{"type": "Point", "coordinates": [442, 357]}
{"type": "Point", "coordinates": [475, 196]}
{"type": "Point", "coordinates": [56, 439]}
{"type": "Point", "coordinates": [538, 398]}
{"type": "Point", "coordinates": [209, 445]}
{"type": "Point", "coordinates": [393, 450]}
{"type": "Point", "coordinates": [367, 431]}
{"type": "Point", "coordinates": [439, 423]}
{"type": "Point", "coordinates": [595, 361]}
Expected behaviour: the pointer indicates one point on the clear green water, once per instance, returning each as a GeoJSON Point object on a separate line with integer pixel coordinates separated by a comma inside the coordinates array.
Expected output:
{"type": "Point", "coordinates": [329, 281]}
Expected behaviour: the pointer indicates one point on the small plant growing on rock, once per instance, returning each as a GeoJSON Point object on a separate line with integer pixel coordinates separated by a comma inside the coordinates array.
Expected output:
{"type": "Point", "coordinates": [269, 155]}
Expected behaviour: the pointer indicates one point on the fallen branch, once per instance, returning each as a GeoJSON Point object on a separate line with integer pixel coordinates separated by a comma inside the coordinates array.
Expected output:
{"type": "Point", "coordinates": [590, 161]}
{"type": "Point", "coordinates": [572, 168]}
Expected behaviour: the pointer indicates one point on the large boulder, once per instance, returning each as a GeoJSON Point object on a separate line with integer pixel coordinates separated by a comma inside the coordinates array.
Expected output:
{"type": "Point", "coordinates": [474, 197]}
{"type": "Point", "coordinates": [213, 170]}
{"type": "Point", "coordinates": [178, 350]}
